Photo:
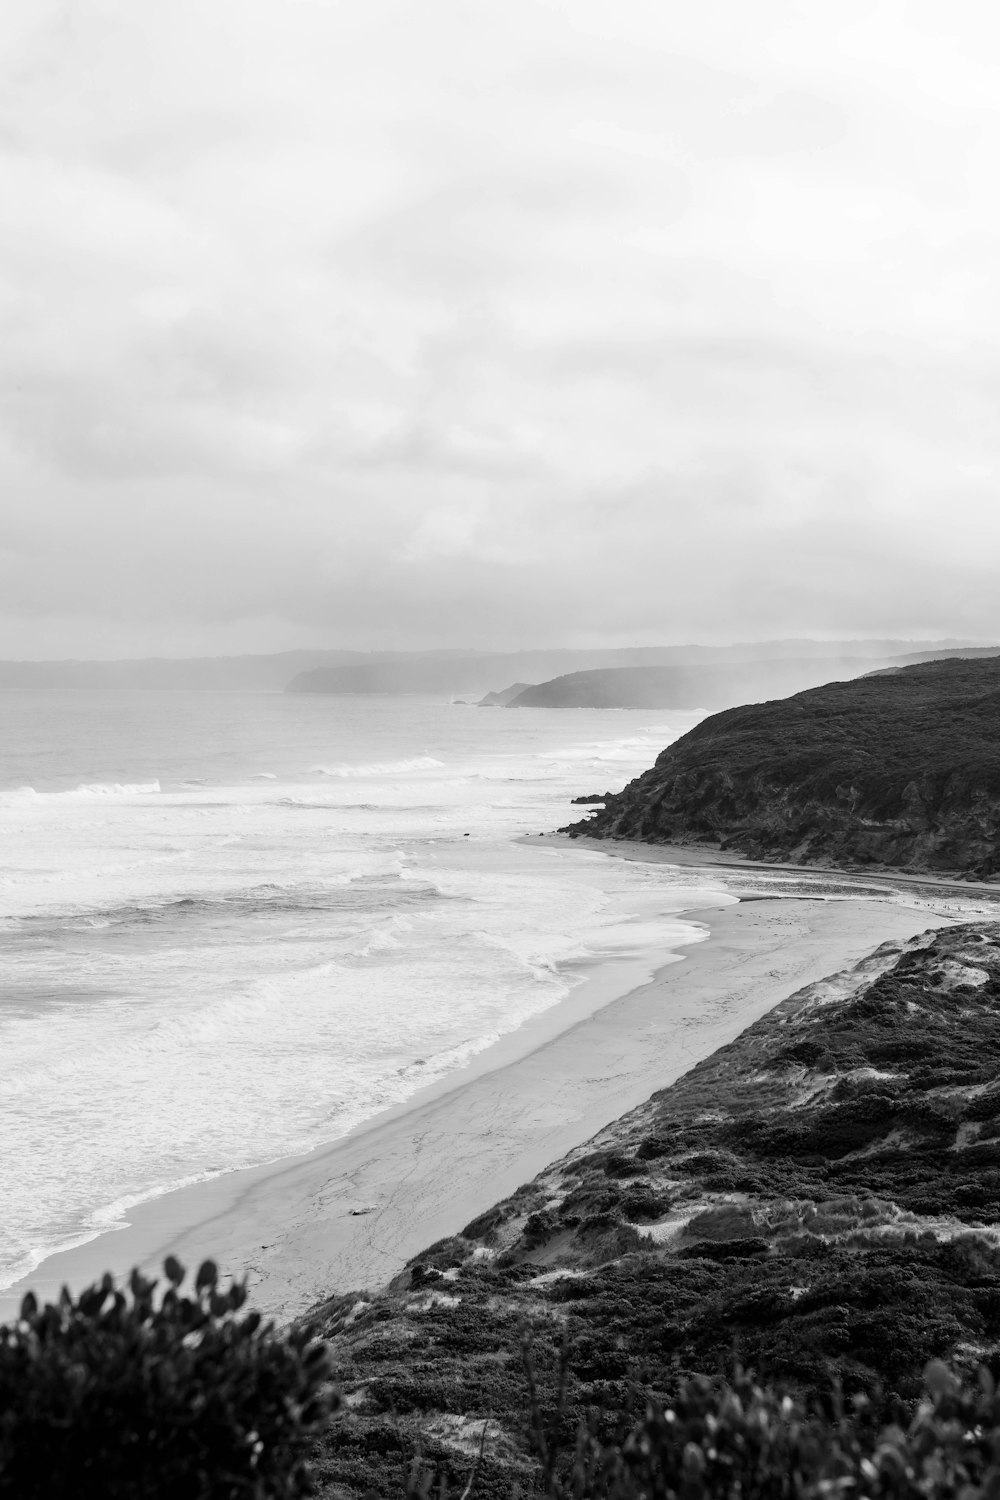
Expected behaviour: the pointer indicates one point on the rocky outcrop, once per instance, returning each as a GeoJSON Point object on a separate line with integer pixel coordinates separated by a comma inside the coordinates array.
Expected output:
{"type": "Point", "coordinates": [899, 771]}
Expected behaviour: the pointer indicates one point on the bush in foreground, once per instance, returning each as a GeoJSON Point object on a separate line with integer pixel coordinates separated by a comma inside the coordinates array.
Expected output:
{"type": "Point", "coordinates": [744, 1442]}
{"type": "Point", "coordinates": [136, 1394]}
{"type": "Point", "coordinates": [130, 1393]}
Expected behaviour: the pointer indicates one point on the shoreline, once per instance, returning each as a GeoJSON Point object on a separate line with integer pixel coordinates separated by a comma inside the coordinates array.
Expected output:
{"type": "Point", "coordinates": [707, 858]}
{"type": "Point", "coordinates": [167, 1222]}
{"type": "Point", "coordinates": [348, 1215]}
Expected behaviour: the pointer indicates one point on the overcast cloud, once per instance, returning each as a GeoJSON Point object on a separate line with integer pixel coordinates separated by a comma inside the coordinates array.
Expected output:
{"type": "Point", "coordinates": [440, 322]}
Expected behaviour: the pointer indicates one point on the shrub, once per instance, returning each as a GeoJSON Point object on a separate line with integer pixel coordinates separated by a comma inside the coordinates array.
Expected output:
{"type": "Point", "coordinates": [485, 1226]}
{"type": "Point", "coordinates": [744, 1442]}
{"type": "Point", "coordinates": [643, 1206]}
{"type": "Point", "coordinates": [135, 1394]}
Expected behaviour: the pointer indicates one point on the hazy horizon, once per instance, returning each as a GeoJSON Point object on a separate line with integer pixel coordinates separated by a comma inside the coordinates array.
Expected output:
{"type": "Point", "coordinates": [592, 325]}
{"type": "Point", "coordinates": [542, 648]}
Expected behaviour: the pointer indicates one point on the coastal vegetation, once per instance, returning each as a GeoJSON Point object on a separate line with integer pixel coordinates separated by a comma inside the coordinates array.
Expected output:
{"type": "Point", "coordinates": [898, 770]}
{"type": "Point", "coordinates": [133, 1393]}
{"type": "Point", "coordinates": [712, 1441]}
{"type": "Point", "coordinates": [740, 1440]}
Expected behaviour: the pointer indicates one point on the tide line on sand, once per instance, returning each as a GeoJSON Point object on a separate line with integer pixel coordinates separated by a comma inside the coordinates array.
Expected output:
{"type": "Point", "coordinates": [349, 1215]}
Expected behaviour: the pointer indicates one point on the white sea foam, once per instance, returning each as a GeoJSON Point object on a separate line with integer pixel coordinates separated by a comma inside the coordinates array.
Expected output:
{"type": "Point", "coordinates": [28, 796]}
{"type": "Point", "coordinates": [630, 749]}
{"type": "Point", "coordinates": [18, 796]}
{"type": "Point", "coordinates": [113, 789]}
{"type": "Point", "coordinates": [385, 768]}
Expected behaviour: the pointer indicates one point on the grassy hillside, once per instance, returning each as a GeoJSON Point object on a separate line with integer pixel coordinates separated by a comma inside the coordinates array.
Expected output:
{"type": "Point", "coordinates": [899, 770]}
{"type": "Point", "coordinates": [818, 1200]}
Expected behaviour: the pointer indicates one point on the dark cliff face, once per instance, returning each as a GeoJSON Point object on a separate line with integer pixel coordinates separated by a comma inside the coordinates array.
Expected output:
{"type": "Point", "coordinates": [901, 771]}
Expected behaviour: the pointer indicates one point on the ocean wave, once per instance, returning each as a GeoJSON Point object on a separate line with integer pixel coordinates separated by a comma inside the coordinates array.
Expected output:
{"type": "Point", "coordinates": [26, 1259]}
{"type": "Point", "coordinates": [27, 796]}
{"type": "Point", "coordinates": [350, 891]}
{"type": "Point", "coordinates": [18, 796]}
{"type": "Point", "coordinates": [634, 748]}
{"type": "Point", "coordinates": [113, 789]}
{"type": "Point", "coordinates": [388, 939]}
{"type": "Point", "coordinates": [383, 768]}
{"type": "Point", "coordinates": [331, 803]}
{"type": "Point", "coordinates": [84, 873]}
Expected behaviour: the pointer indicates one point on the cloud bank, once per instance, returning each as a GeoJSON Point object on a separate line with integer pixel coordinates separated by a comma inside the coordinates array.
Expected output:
{"type": "Point", "coordinates": [502, 324]}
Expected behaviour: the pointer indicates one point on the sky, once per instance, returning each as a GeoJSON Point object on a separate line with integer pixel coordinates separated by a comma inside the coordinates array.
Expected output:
{"type": "Point", "coordinates": [497, 323]}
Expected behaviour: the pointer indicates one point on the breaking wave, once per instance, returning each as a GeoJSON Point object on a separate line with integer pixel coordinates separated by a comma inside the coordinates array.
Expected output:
{"type": "Point", "coordinates": [383, 768]}
{"type": "Point", "coordinates": [24, 795]}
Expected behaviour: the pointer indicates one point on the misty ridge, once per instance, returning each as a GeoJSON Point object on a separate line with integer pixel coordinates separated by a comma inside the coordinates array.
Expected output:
{"type": "Point", "coordinates": [651, 677]}
{"type": "Point", "coordinates": [685, 676]}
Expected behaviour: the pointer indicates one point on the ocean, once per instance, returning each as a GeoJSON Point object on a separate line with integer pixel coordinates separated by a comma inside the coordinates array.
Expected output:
{"type": "Point", "coordinates": [233, 926]}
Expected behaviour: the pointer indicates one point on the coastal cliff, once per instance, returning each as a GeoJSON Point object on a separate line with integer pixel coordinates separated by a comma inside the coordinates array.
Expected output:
{"type": "Point", "coordinates": [899, 770]}
{"type": "Point", "coordinates": [817, 1200]}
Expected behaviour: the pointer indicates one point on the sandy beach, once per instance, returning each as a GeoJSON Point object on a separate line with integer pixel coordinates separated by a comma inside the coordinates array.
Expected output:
{"type": "Point", "coordinates": [350, 1214]}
